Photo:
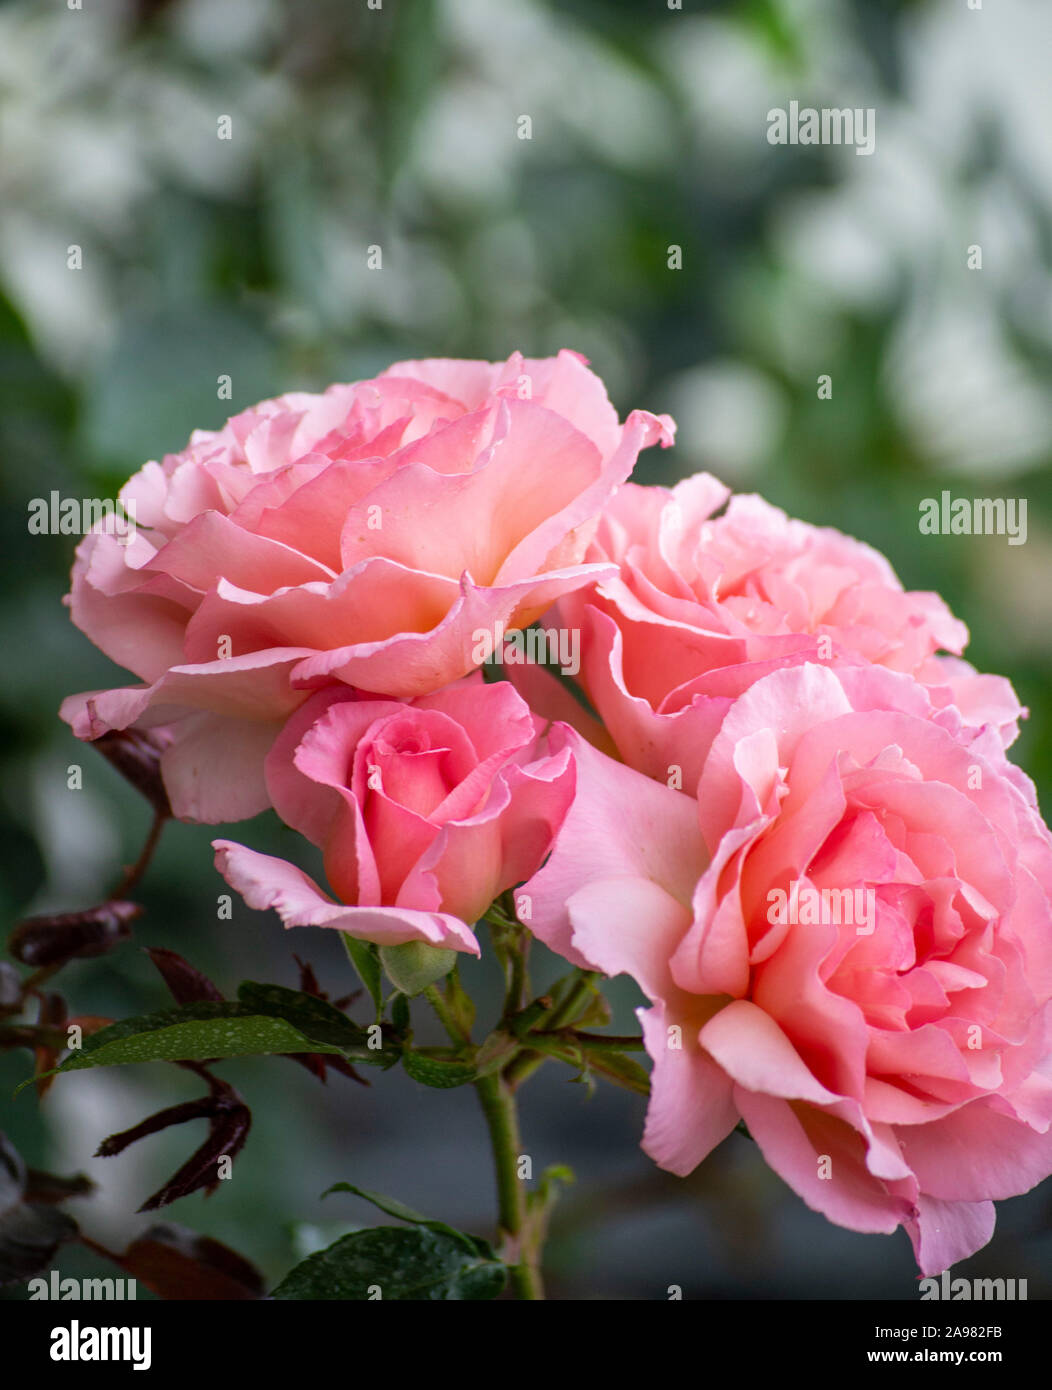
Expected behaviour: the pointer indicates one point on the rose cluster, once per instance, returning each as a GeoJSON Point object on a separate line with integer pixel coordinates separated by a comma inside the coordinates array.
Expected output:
{"type": "Point", "coordinates": [781, 733]}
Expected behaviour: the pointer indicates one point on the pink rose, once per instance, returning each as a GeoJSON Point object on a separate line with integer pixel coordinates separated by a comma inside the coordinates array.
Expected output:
{"type": "Point", "coordinates": [361, 536]}
{"type": "Point", "coordinates": [425, 810]}
{"type": "Point", "coordinates": [703, 605]}
{"type": "Point", "coordinates": [846, 938]}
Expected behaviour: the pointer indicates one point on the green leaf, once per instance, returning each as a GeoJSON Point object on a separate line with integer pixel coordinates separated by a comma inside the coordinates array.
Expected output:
{"type": "Point", "coordinates": [366, 960]}
{"type": "Point", "coordinates": [195, 1032]}
{"type": "Point", "coordinates": [267, 1020]}
{"type": "Point", "coordinates": [475, 1245]}
{"type": "Point", "coordinates": [439, 1067]}
{"type": "Point", "coordinates": [522, 1022]}
{"type": "Point", "coordinates": [621, 1070]}
{"type": "Point", "coordinates": [540, 1201]}
{"type": "Point", "coordinates": [554, 1175]}
{"type": "Point", "coordinates": [415, 965]}
{"type": "Point", "coordinates": [614, 1066]}
{"type": "Point", "coordinates": [401, 1264]}
{"type": "Point", "coordinates": [596, 1013]}
{"type": "Point", "coordinates": [319, 1020]}
{"type": "Point", "coordinates": [554, 1045]}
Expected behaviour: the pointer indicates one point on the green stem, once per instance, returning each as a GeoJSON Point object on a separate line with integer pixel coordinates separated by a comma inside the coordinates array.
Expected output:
{"type": "Point", "coordinates": [599, 1042]}
{"type": "Point", "coordinates": [518, 984]}
{"type": "Point", "coordinates": [502, 1120]}
{"type": "Point", "coordinates": [521, 1237]}
{"type": "Point", "coordinates": [526, 1063]}
{"type": "Point", "coordinates": [436, 999]}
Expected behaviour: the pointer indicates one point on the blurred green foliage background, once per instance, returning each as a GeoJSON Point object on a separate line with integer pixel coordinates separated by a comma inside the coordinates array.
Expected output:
{"type": "Point", "coordinates": [399, 127]}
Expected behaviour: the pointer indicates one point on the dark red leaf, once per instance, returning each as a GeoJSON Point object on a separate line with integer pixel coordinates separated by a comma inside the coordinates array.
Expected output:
{"type": "Point", "coordinates": [341, 1065]}
{"type": "Point", "coordinates": [308, 979]}
{"type": "Point", "coordinates": [317, 1063]}
{"type": "Point", "coordinates": [201, 1109]}
{"type": "Point", "coordinates": [229, 1121]}
{"type": "Point", "coordinates": [228, 1131]}
{"type": "Point", "coordinates": [179, 1265]}
{"type": "Point", "coordinates": [186, 983]}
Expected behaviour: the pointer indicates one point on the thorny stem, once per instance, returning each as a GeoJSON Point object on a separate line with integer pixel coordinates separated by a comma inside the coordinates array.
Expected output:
{"type": "Point", "coordinates": [502, 1120]}
{"type": "Point", "coordinates": [522, 1219]}
{"type": "Point", "coordinates": [518, 984]}
{"type": "Point", "coordinates": [512, 946]}
{"type": "Point", "coordinates": [519, 1245]}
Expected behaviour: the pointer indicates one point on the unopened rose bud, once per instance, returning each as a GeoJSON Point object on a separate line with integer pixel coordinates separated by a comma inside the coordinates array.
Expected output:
{"type": "Point", "coordinates": [62, 936]}
{"type": "Point", "coordinates": [415, 965]}
{"type": "Point", "coordinates": [137, 757]}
